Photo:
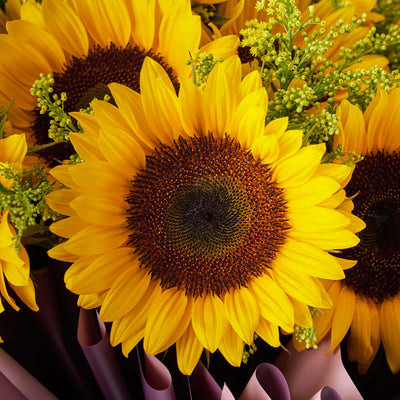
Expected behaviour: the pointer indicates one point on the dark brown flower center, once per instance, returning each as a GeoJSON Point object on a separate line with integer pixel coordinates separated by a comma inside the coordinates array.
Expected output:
{"type": "Point", "coordinates": [86, 78]}
{"type": "Point", "coordinates": [377, 181]}
{"type": "Point", "coordinates": [205, 216]}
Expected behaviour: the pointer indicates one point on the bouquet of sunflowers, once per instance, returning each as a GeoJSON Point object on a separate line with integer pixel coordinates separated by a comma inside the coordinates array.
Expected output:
{"type": "Point", "coordinates": [211, 185]}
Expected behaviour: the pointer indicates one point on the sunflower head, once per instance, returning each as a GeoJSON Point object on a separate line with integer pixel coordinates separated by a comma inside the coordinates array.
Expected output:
{"type": "Point", "coordinates": [192, 223]}
{"type": "Point", "coordinates": [366, 300]}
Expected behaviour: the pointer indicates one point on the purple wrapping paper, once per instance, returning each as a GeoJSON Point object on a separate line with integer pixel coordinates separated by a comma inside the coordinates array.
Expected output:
{"type": "Point", "coordinates": [156, 380]}
{"type": "Point", "coordinates": [308, 371]}
{"type": "Point", "coordinates": [95, 343]}
{"type": "Point", "coordinates": [267, 383]}
{"type": "Point", "coordinates": [18, 384]}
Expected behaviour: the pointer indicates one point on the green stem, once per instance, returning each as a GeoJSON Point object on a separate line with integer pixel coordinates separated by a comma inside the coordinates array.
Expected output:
{"type": "Point", "coordinates": [34, 149]}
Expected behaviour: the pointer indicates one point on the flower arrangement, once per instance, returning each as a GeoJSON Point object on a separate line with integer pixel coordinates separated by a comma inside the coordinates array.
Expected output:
{"type": "Point", "coordinates": [205, 188]}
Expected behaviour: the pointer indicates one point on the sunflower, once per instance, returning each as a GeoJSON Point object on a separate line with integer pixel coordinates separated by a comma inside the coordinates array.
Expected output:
{"type": "Point", "coordinates": [15, 267]}
{"type": "Point", "coordinates": [86, 45]}
{"type": "Point", "coordinates": [367, 301]}
{"type": "Point", "coordinates": [189, 222]}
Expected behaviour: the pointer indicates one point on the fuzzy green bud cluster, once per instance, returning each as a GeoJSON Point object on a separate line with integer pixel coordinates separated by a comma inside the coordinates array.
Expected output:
{"type": "Point", "coordinates": [60, 122]}
{"type": "Point", "coordinates": [28, 211]}
{"type": "Point", "coordinates": [202, 64]}
{"type": "Point", "coordinates": [249, 350]}
{"type": "Point", "coordinates": [305, 85]}
{"type": "Point", "coordinates": [307, 335]}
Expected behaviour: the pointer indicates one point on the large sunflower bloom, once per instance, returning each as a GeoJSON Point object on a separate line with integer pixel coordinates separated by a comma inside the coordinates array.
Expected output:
{"type": "Point", "coordinates": [367, 301]}
{"type": "Point", "coordinates": [189, 222]}
{"type": "Point", "coordinates": [86, 45]}
{"type": "Point", "coordinates": [15, 267]}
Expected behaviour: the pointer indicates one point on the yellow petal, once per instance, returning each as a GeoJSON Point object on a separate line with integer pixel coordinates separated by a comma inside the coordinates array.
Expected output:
{"type": "Point", "coordinates": [59, 201]}
{"type": "Point", "coordinates": [106, 22]}
{"type": "Point", "coordinates": [299, 256]}
{"type": "Point", "coordinates": [359, 345]}
{"type": "Point", "coordinates": [131, 326]}
{"type": "Point", "coordinates": [188, 351]}
{"type": "Point", "coordinates": [27, 294]}
{"type": "Point", "coordinates": [125, 292]}
{"type": "Point", "coordinates": [218, 101]}
{"type": "Point", "coordinates": [231, 347]}
{"type": "Point", "coordinates": [122, 151]}
{"type": "Point", "coordinates": [316, 190]}
{"type": "Point", "coordinates": [299, 168]}
{"type": "Point", "coordinates": [89, 301]}
{"type": "Point", "coordinates": [13, 148]}
{"type": "Point", "coordinates": [160, 103]}
{"type": "Point", "coordinates": [209, 321]}
{"type": "Point", "coordinates": [390, 329]}
{"type": "Point", "coordinates": [272, 301]}
{"type": "Point", "coordinates": [302, 287]}
{"type": "Point", "coordinates": [167, 322]}
{"type": "Point", "coordinates": [39, 39]}
{"type": "Point", "coordinates": [99, 177]}
{"type": "Point", "coordinates": [268, 332]}
{"type": "Point", "coordinates": [265, 148]}
{"type": "Point", "coordinates": [62, 22]}
{"type": "Point", "coordinates": [97, 274]}
{"type": "Point", "coordinates": [343, 317]}
{"type": "Point", "coordinates": [242, 312]}
{"type": "Point", "coordinates": [106, 210]}
{"type": "Point", "coordinates": [96, 239]}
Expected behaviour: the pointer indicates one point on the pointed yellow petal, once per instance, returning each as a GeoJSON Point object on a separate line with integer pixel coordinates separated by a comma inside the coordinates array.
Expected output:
{"type": "Point", "coordinates": [59, 201]}
{"type": "Point", "coordinates": [27, 294]}
{"type": "Point", "coordinates": [266, 149]}
{"type": "Point", "coordinates": [59, 253]}
{"type": "Point", "coordinates": [106, 22]}
{"type": "Point", "coordinates": [99, 177]}
{"type": "Point", "coordinates": [62, 22]}
{"type": "Point", "coordinates": [209, 321]}
{"type": "Point", "coordinates": [167, 322]}
{"type": "Point", "coordinates": [96, 239]}
{"type": "Point", "coordinates": [302, 287]}
{"type": "Point", "coordinates": [231, 347]}
{"type": "Point", "coordinates": [359, 345]}
{"type": "Point", "coordinates": [143, 18]}
{"type": "Point", "coordinates": [188, 351]}
{"type": "Point", "coordinates": [343, 317]}
{"type": "Point", "coordinates": [13, 148]}
{"type": "Point", "coordinates": [130, 106]}
{"type": "Point", "coordinates": [106, 210]}
{"type": "Point", "coordinates": [316, 219]}
{"type": "Point", "coordinates": [242, 312]}
{"type": "Point", "coordinates": [390, 329]}
{"type": "Point", "coordinates": [122, 151]}
{"type": "Point", "coordinates": [39, 39]}
{"type": "Point", "coordinates": [218, 101]}
{"type": "Point", "coordinates": [125, 292]}
{"type": "Point", "coordinates": [268, 332]}
{"type": "Point", "coordinates": [299, 168]}
{"type": "Point", "coordinates": [131, 326]}
{"type": "Point", "coordinates": [299, 256]}
{"type": "Point", "coordinates": [89, 301]}
{"type": "Point", "coordinates": [97, 274]}
{"type": "Point", "coordinates": [160, 103]}
{"type": "Point", "coordinates": [272, 301]}
{"type": "Point", "coordinates": [316, 190]}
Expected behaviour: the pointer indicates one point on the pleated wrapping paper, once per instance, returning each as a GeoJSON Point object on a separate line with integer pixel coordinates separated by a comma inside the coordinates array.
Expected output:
{"type": "Point", "coordinates": [64, 352]}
